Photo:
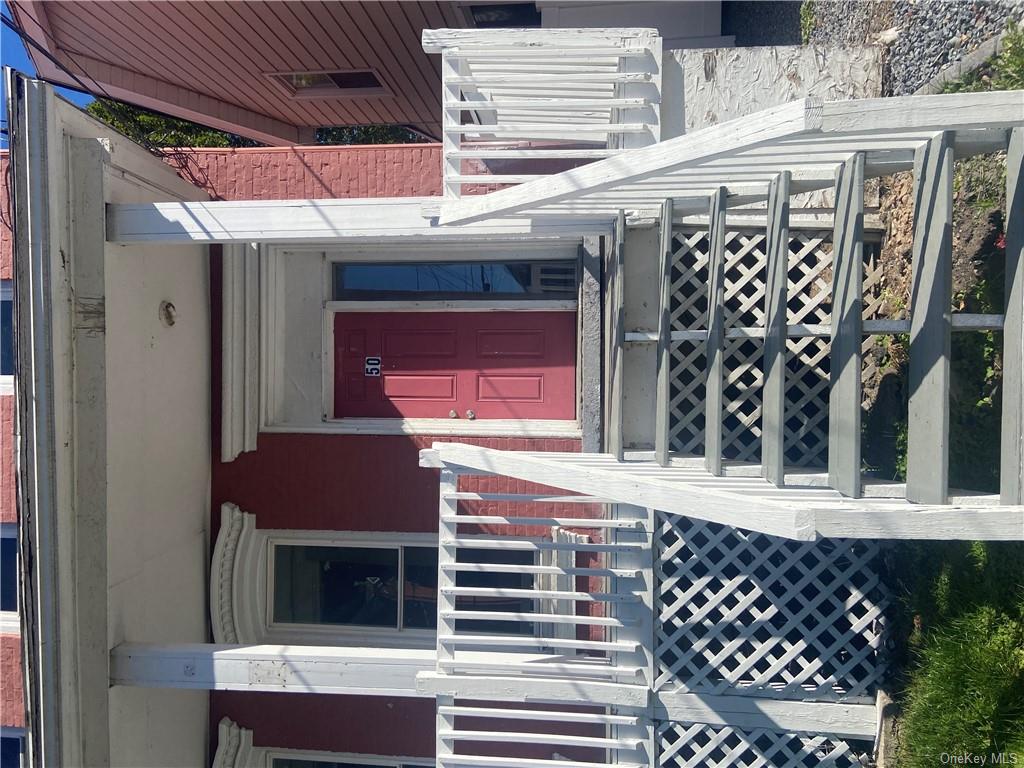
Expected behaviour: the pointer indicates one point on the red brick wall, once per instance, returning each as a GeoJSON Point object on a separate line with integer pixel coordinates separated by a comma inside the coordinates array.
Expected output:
{"type": "Point", "coordinates": [12, 707]}
{"type": "Point", "coordinates": [282, 173]}
{"type": "Point", "coordinates": [334, 482]}
{"type": "Point", "coordinates": [372, 725]}
{"type": "Point", "coordinates": [8, 513]}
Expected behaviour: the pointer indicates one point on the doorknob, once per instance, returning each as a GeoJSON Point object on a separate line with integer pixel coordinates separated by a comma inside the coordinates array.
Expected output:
{"type": "Point", "coordinates": [470, 415]}
{"type": "Point", "coordinates": [453, 414]}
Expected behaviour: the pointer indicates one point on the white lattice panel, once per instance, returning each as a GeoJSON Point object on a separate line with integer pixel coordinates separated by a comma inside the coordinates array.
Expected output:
{"type": "Point", "coordinates": [807, 380]}
{"type": "Point", "coordinates": [695, 745]}
{"type": "Point", "coordinates": [742, 612]}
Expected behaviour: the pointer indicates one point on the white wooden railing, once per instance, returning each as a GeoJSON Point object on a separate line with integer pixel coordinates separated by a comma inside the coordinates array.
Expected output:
{"type": "Point", "coordinates": [522, 103]}
{"type": "Point", "coordinates": [587, 568]}
{"type": "Point", "coordinates": [715, 644]}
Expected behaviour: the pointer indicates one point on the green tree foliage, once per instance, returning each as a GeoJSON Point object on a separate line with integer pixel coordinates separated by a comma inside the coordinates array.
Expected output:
{"type": "Point", "coordinates": [368, 134]}
{"type": "Point", "coordinates": [965, 627]}
{"type": "Point", "coordinates": [155, 130]}
{"type": "Point", "coordinates": [160, 131]}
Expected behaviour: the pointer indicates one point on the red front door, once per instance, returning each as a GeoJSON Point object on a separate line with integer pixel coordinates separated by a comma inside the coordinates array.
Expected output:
{"type": "Point", "coordinates": [499, 365]}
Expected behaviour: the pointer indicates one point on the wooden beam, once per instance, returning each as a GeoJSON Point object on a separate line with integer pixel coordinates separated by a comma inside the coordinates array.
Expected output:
{"type": "Point", "coordinates": [714, 352]}
{"type": "Point", "coordinates": [844, 417]}
{"type": "Point", "coordinates": [393, 220]}
{"type": "Point", "coordinates": [948, 111]}
{"type": "Point", "coordinates": [663, 387]}
{"type": "Point", "coordinates": [436, 40]}
{"type": "Point", "coordinates": [852, 721]}
{"type": "Point", "coordinates": [516, 688]}
{"type": "Point", "coordinates": [285, 668]}
{"type": "Point", "coordinates": [930, 324]}
{"type": "Point", "coordinates": [923, 523]}
{"type": "Point", "coordinates": [591, 376]}
{"type": "Point", "coordinates": [731, 136]}
{"type": "Point", "coordinates": [773, 396]}
{"type": "Point", "coordinates": [1011, 467]}
{"type": "Point", "coordinates": [628, 485]}
{"type": "Point", "coordinates": [615, 278]}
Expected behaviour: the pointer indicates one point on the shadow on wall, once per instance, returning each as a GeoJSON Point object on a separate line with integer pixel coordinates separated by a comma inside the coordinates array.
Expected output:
{"type": "Point", "coordinates": [762, 22]}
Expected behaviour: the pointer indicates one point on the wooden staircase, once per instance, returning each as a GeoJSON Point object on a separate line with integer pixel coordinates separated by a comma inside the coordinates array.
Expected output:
{"type": "Point", "coordinates": [582, 692]}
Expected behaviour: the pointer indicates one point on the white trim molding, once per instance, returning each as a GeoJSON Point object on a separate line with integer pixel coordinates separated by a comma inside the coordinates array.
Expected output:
{"type": "Point", "coordinates": [455, 305]}
{"type": "Point", "coordinates": [10, 623]}
{"type": "Point", "coordinates": [240, 344]}
{"type": "Point", "coordinates": [442, 427]}
{"type": "Point", "coordinates": [234, 604]}
{"type": "Point", "coordinates": [241, 586]}
{"type": "Point", "coordinates": [234, 747]}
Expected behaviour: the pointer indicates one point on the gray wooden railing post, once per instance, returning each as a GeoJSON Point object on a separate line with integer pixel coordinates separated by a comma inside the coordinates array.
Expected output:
{"type": "Point", "coordinates": [844, 404]}
{"type": "Point", "coordinates": [931, 323]}
{"type": "Point", "coordinates": [715, 347]}
{"type": "Point", "coordinates": [1011, 467]}
{"type": "Point", "coordinates": [615, 280]}
{"type": "Point", "coordinates": [663, 388]}
{"type": "Point", "coordinates": [773, 396]}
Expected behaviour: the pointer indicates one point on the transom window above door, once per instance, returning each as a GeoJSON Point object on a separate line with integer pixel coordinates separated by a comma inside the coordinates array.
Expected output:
{"type": "Point", "coordinates": [520, 280]}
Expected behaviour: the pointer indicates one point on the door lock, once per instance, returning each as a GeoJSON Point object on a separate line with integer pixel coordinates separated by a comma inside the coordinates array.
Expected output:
{"type": "Point", "coordinates": [453, 414]}
{"type": "Point", "coordinates": [470, 415]}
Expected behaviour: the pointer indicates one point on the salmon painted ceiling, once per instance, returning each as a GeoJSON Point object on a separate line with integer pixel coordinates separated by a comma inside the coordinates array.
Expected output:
{"type": "Point", "coordinates": [270, 70]}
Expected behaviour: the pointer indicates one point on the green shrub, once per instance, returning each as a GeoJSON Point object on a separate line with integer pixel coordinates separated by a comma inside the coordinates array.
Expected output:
{"type": "Point", "coordinates": [807, 20]}
{"type": "Point", "coordinates": [968, 694]}
{"type": "Point", "coordinates": [1003, 72]}
{"type": "Point", "coordinates": [961, 636]}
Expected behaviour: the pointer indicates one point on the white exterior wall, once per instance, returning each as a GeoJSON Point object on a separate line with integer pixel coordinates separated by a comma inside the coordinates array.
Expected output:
{"type": "Point", "coordinates": [156, 411]}
{"type": "Point", "coordinates": [680, 23]}
{"type": "Point", "coordinates": [158, 453]}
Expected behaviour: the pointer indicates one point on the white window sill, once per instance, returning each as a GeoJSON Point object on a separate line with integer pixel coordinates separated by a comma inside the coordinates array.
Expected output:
{"type": "Point", "coordinates": [448, 427]}
{"type": "Point", "coordinates": [10, 623]}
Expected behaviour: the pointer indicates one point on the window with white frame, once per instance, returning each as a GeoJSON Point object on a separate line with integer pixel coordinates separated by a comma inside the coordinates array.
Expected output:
{"type": "Point", "coordinates": [374, 585]}
{"type": "Point", "coordinates": [8, 573]}
{"type": "Point", "coordinates": [12, 747]}
{"type": "Point", "coordinates": [9, 621]}
{"type": "Point", "coordinates": [349, 587]}
{"type": "Point", "coordinates": [383, 585]}
{"type": "Point", "coordinates": [6, 330]}
{"type": "Point", "coordinates": [298, 759]}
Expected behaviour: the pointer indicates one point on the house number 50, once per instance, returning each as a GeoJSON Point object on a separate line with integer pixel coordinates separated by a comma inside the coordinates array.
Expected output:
{"type": "Point", "coordinates": [372, 366]}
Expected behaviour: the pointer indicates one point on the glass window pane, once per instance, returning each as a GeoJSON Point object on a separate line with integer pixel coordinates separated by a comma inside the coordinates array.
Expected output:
{"type": "Point", "coordinates": [420, 608]}
{"type": "Point", "coordinates": [336, 585]}
{"type": "Point", "coordinates": [10, 751]}
{"type": "Point", "coordinates": [495, 580]}
{"type": "Point", "coordinates": [511, 280]}
{"type": "Point", "coordinates": [6, 337]}
{"type": "Point", "coordinates": [300, 762]}
{"type": "Point", "coordinates": [8, 574]}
